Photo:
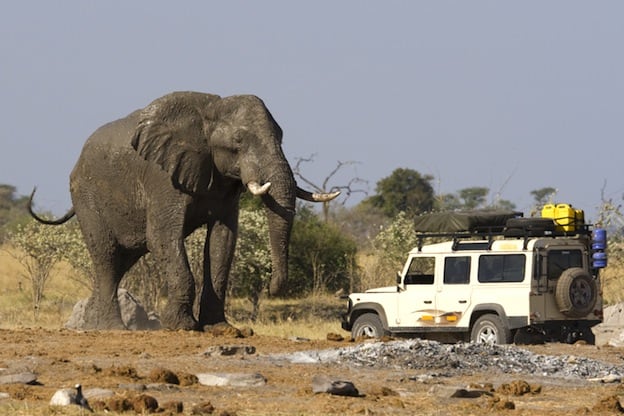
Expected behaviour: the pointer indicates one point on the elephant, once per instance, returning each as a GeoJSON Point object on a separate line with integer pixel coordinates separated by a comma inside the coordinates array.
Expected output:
{"type": "Point", "coordinates": [144, 182]}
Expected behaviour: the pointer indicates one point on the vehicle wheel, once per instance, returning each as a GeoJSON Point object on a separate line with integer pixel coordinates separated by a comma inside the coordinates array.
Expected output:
{"type": "Point", "coordinates": [576, 292]}
{"type": "Point", "coordinates": [367, 325]}
{"type": "Point", "coordinates": [490, 329]}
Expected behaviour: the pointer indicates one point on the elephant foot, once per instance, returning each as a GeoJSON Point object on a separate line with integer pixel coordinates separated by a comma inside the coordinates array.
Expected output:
{"type": "Point", "coordinates": [95, 319]}
{"type": "Point", "coordinates": [179, 319]}
{"type": "Point", "coordinates": [227, 330]}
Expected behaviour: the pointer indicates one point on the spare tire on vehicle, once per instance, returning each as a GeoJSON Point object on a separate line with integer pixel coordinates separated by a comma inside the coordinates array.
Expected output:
{"type": "Point", "coordinates": [576, 292]}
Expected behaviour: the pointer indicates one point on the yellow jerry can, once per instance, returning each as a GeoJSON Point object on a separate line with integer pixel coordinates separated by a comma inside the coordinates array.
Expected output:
{"type": "Point", "coordinates": [565, 216]}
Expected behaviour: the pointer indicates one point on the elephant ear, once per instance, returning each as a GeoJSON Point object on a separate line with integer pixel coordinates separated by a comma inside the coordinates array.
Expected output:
{"type": "Point", "coordinates": [171, 133]}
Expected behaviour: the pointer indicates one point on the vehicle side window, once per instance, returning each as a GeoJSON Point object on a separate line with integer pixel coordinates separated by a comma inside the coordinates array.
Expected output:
{"type": "Point", "coordinates": [560, 260]}
{"type": "Point", "coordinates": [496, 268]}
{"type": "Point", "coordinates": [420, 271]}
{"type": "Point", "coordinates": [457, 270]}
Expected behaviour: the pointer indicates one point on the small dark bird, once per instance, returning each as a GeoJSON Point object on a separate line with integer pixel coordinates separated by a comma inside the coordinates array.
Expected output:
{"type": "Point", "coordinates": [81, 400]}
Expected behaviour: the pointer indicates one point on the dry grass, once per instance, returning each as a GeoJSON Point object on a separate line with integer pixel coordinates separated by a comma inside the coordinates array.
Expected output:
{"type": "Point", "coordinates": [311, 318]}
{"type": "Point", "coordinates": [613, 283]}
{"type": "Point", "coordinates": [16, 306]}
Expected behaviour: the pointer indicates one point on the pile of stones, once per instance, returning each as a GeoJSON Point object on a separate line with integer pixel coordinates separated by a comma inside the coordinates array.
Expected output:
{"type": "Point", "coordinates": [461, 358]}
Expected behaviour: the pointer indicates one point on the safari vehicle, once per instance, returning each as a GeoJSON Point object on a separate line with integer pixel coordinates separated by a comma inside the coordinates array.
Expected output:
{"type": "Point", "coordinates": [492, 279]}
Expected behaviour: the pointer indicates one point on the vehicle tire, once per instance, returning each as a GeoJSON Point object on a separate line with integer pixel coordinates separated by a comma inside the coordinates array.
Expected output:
{"type": "Point", "coordinates": [576, 292]}
{"type": "Point", "coordinates": [490, 329]}
{"type": "Point", "coordinates": [367, 325]}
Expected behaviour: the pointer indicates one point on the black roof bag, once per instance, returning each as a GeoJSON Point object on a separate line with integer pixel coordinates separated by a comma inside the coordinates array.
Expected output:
{"type": "Point", "coordinates": [464, 221]}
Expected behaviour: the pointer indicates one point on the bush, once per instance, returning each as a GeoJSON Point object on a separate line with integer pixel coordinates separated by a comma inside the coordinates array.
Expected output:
{"type": "Point", "coordinates": [321, 258]}
{"type": "Point", "coordinates": [40, 248]}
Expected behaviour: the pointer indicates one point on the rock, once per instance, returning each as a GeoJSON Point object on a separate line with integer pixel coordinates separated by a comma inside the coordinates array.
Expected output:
{"type": "Point", "coordinates": [616, 336]}
{"type": "Point", "coordinates": [299, 339]}
{"type": "Point", "coordinates": [229, 350]}
{"type": "Point", "coordinates": [443, 391]}
{"type": "Point", "coordinates": [4, 396]}
{"type": "Point", "coordinates": [63, 397]}
{"type": "Point", "coordinates": [133, 314]}
{"type": "Point", "coordinates": [468, 394]}
{"type": "Point", "coordinates": [232, 379]}
{"type": "Point", "coordinates": [609, 378]}
{"type": "Point", "coordinates": [613, 315]}
{"type": "Point", "coordinates": [75, 396]}
{"type": "Point", "coordinates": [132, 386]}
{"type": "Point", "coordinates": [98, 393]}
{"type": "Point", "coordinates": [324, 384]}
{"type": "Point", "coordinates": [20, 378]}
{"type": "Point", "coordinates": [166, 387]}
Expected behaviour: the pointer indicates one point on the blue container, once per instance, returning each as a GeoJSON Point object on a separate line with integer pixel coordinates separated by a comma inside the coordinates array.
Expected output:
{"type": "Point", "coordinates": [600, 239]}
{"type": "Point", "coordinates": [599, 260]}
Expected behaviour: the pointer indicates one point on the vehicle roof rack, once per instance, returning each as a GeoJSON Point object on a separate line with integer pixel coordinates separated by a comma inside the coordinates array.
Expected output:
{"type": "Point", "coordinates": [525, 229]}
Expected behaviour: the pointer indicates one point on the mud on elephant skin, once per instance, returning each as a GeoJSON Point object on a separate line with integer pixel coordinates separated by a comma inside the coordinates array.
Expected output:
{"type": "Point", "coordinates": [145, 182]}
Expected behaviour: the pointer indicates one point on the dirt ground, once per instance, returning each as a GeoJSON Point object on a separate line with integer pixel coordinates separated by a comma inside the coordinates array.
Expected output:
{"type": "Point", "coordinates": [120, 361]}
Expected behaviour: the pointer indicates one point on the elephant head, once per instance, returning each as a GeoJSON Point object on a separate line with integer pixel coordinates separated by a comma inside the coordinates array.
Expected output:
{"type": "Point", "coordinates": [208, 144]}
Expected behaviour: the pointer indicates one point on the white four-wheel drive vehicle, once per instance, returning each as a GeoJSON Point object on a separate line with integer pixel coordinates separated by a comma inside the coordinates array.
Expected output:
{"type": "Point", "coordinates": [527, 280]}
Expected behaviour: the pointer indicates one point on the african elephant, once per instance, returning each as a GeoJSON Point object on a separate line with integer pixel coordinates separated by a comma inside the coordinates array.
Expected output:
{"type": "Point", "coordinates": [145, 182]}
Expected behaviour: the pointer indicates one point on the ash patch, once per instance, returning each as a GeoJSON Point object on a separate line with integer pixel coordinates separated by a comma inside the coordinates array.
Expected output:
{"type": "Point", "coordinates": [459, 359]}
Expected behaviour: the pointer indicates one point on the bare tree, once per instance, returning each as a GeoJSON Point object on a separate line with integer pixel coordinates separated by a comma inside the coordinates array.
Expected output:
{"type": "Point", "coordinates": [610, 213]}
{"type": "Point", "coordinates": [352, 186]}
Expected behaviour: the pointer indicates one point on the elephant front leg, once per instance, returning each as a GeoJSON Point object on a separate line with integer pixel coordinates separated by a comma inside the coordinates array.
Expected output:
{"type": "Point", "coordinates": [218, 256]}
{"type": "Point", "coordinates": [178, 313]}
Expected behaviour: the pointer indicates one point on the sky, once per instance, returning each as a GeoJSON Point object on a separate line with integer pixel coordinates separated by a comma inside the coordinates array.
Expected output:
{"type": "Point", "coordinates": [512, 96]}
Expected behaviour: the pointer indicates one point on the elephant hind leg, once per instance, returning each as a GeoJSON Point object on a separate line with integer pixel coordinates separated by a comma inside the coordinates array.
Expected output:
{"type": "Point", "coordinates": [110, 263]}
{"type": "Point", "coordinates": [103, 310]}
{"type": "Point", "coordinates": [109, 272]}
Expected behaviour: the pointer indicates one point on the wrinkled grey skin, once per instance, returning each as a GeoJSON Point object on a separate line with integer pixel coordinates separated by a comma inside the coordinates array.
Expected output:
{"type": "Point", "coordinates": [145, 182]}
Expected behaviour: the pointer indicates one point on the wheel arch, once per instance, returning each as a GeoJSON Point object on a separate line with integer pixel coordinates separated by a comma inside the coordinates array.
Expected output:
{"type": "Point", "coordinates": [488, 308]}
{"type": "Point", "coordinates": [368, 307]}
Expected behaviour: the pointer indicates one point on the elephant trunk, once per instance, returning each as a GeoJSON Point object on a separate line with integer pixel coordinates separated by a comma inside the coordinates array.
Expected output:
{"type": "Point", "coordinates": [280, 209]}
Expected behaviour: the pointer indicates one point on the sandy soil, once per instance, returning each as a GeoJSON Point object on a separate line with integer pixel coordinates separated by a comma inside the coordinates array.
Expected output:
{"type": "Point", "coordinates": [120, 360]}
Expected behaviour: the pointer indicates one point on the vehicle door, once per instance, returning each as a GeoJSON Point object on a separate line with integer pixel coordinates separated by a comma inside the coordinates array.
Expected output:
{"type": "Point", "coordinates": [453, 291]}
{"type": "Point", "coordinates": [416, 301]}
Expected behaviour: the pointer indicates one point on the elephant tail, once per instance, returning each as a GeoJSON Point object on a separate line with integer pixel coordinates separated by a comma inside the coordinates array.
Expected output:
{"type": "Point", "coordinates": [58, 221]}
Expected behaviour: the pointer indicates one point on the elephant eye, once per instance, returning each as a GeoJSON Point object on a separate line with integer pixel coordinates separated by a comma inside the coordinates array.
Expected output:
{"type": "Point", "coordinates": [239, 138]}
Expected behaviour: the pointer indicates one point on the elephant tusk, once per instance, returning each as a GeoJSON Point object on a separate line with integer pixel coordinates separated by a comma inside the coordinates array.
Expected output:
{"type": "Point", "coordinates": [316, 197]}
{"type": "Point", "coordinates": [255, 188]}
